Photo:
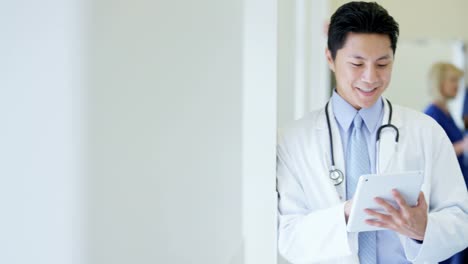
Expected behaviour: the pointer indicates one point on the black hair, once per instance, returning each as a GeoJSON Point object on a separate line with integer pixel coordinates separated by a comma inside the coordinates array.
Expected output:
{"type": "Point", "coordinates": [360, 17]}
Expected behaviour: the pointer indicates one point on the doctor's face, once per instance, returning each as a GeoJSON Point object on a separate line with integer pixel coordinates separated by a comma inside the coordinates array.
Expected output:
{"type": "Point", "coordinates": [363, 68]}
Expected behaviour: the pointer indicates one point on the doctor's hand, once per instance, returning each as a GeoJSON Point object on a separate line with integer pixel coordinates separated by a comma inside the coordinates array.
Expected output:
{"type": "Point", "coordinates": [408, 221]}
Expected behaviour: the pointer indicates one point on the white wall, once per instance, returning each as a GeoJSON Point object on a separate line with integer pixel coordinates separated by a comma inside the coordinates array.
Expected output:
{"type": "Point", "coordinates": [164, 147]}
{"type": "Point", "coordinates": [137, 132]}
{"type": "Point", "coordinates": [409, 85]}
{"type": "Point", "coordinates": [425, 18]}
{"type": "Point", "coordinates": [40, 188]}
{"type": "Point", "coordinates": [286, 62]}
{"type": "Point", "coordinates": [181, 101]}
{"type": "Point", "coordinates": [303, 74]}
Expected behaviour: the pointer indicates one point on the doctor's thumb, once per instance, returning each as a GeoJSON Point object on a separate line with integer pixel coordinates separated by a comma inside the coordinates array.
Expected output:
{"type": "Point", "coordinates": [422, 199]}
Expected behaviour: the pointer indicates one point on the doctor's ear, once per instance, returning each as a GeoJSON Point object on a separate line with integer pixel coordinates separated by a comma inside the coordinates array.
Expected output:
{"type": "Point", "coordinates": [331, 62]}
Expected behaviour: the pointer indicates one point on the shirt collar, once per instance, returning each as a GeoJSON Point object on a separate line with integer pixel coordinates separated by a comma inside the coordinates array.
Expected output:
{"type": "Point", "coordinates": [344, 113]}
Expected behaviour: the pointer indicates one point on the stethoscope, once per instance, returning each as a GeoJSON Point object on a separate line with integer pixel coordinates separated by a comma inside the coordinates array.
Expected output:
{"type": "Point", "coordinates": [336, 175]}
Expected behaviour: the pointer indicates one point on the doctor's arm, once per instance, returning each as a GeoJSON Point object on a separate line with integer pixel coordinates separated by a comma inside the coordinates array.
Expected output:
{"type": "Point", "coordinates": [306, 235]}
{"type": "Point", "coordinates": [447, 223]}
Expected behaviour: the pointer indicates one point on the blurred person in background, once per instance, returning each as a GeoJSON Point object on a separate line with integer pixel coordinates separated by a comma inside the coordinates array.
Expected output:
{"type": "Point", "coordinates": [444, 80]}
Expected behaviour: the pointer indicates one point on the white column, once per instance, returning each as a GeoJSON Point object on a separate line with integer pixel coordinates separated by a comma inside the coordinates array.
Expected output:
{"type": "Point", "coordinates": [41, 130]}
{"type": "Point", "coordinates": [259, 131]}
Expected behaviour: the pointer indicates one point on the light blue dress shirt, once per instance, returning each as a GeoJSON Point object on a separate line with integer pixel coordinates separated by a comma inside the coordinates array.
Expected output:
{"type": "Point", "coordinates": [389, 248]}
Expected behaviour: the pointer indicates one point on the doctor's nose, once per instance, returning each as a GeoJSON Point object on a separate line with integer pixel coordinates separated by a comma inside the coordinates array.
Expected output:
{"type": "Point", "coordinates": [370, 75]}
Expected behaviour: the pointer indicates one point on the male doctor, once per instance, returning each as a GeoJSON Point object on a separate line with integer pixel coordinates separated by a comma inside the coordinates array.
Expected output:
{"type": "Point", "coordinates": [314, 208]}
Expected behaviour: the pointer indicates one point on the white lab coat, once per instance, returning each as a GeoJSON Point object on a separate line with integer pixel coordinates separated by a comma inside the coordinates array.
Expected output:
{"type": "Point", "coordinates": [312, 226]}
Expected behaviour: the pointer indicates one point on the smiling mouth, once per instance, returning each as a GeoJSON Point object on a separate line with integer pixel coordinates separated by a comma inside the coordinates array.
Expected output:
{"type": "Point", "coordinates": [366, 90]}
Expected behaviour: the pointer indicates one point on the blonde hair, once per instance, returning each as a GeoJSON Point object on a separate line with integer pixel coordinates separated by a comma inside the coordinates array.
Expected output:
{"type": "Point", "coordinates": [437, 74]}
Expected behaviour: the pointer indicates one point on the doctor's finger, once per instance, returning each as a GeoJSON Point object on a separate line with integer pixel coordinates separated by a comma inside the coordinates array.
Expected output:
{"type": "Point", "coordinates": [387, 206]}
{"type": "Point", "coordinates": [422, 200]}
{"type": "Point", "coordinates": [400, 200]}
{"type": "Point", "coordinates": [380, 224]}
{"type": "Point", "coordinates": [381, 217]}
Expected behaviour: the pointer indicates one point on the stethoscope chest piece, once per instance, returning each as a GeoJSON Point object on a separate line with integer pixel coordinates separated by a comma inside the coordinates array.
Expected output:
{"type": "Point", "coordinates": [336, 176]}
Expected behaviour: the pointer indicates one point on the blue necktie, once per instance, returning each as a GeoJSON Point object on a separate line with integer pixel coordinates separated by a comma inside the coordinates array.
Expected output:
{"type": "Point", "coordinates": [357, 164]}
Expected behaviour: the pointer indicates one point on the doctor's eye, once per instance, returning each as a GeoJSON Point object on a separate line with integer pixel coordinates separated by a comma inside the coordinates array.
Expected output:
{"type": "Point", "coordinates": [356, 64]}
{"type": "Point", "coordinates": [382, 65]}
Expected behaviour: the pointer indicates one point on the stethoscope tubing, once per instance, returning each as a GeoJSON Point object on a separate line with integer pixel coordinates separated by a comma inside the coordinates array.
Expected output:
{"type": "Point", "coordinates": [337, 175]}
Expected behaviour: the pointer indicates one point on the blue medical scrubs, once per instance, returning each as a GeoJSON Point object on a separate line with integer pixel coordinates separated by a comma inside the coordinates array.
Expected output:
{"type": "Point", "coordinates": [448, 124]}
{"type": "Point", "coordinates": [453, 132]}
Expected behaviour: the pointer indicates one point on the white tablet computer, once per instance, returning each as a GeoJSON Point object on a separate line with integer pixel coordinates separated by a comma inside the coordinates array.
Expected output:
{"type": "Point", "coordinates": [381, 185]}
